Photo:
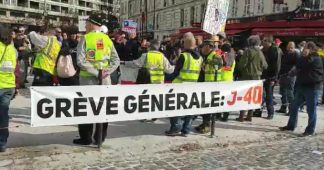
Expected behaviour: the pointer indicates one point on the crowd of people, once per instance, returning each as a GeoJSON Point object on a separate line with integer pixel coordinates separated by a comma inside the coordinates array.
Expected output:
{"type": "Point", "coordinates": [96, 58]}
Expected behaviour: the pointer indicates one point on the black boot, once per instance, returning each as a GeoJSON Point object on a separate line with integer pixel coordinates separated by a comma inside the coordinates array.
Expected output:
{"type": "Point", "coordinates": [283, 109]}
{"type": "Point", "coordinates": [257, 113]}
{"type": "Point", "coordinates": [225, 117]}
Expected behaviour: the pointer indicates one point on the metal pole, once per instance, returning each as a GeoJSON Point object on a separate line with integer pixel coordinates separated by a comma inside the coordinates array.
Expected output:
{"type": "Point", "coordinates": [212, 130]}
{"type": "Point", "coordinates": [99, 140]}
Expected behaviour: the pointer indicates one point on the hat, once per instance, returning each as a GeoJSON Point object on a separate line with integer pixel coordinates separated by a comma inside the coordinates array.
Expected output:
{"type": "Point", "coordinates": [277, 41]}
{"type": "Point", "coordinates": [222, 35]}
{"type": "Point", "coordinates": [96, 18]}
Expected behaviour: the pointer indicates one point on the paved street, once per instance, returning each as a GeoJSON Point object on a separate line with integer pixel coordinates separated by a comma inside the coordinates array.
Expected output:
{"type": "Point", "coordinates": [138, 145]}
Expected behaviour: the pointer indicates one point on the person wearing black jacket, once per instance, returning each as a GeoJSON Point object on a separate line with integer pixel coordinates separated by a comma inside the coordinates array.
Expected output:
{"type": "Point", "coordinates": [273, 57]}
{"type": "Point", "coordinates": [309, 79]}
{"type": "Point", "coordinates": [287, 77]}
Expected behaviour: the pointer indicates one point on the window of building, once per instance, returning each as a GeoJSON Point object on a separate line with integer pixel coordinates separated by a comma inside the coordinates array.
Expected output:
{"type": "Point", "coordinates": [22, 3]}
{"type": "Point", "coordinates": [322, 5]}
{"type": "Point", "coordinates": [317, 4]}
{"type": "Point", "coordinates": [17, 14]}
{"type": "Point", "coordinates": [3, 12]}
{"type": "Point", "coordinates": [247, 8]}
{"type": "Point", "coordinates": [234, 8]}
{"type": "Point", "coordinates": [165, 3]}
{"type": "Point", "coordinates": [34, 5]}
{"type": "Point", "coordinates": [81, 12]}
{"type": "Point", "coordinates": [82, 3]}
{"type": "Point", "coordinates": [157, 21]}
{"type": "Point", "coordinates": [260, 6]}
{"type": "Point", "coordinates": [173, 2]}
{"type": "Point", "coordinates": [64, 10]}
{"type": "Point", "coordinates": [55, 8]}
{"type": "Point", "coordinates": [192, 14]}
{"type": "Point", "coordinates": [202, 12]}
{"type": "Point", "coordinates": [182, 17]}
{"type": "Point", "coordinates": [65, 1]}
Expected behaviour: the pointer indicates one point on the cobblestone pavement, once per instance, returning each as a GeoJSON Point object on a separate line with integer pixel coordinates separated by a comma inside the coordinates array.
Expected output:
{"type": "Point", "coordinates": [292, 154]}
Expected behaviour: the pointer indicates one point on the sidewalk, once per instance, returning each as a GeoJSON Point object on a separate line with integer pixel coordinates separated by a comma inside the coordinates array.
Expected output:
{"type": "Point", "coordinates": [31, 148]}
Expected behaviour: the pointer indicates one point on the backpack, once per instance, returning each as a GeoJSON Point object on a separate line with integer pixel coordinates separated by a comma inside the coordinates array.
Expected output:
{"type": "Point", "coordinates": [143, 76]}
{"type": "Point", "coordinates": [64, 67]}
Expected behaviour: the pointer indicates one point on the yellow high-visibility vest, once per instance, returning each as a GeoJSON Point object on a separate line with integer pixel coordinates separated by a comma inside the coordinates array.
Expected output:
{"type": "Point", "coordinates": [46, 58]}
{"type": "Point", "coordinates": [8, 61]}
{"type": "Point", "coordinates": [155, 66]}
{"type": "Point", "coordinates": [98, 51]}
{"type": "Point", "coordinates": [190, 70]}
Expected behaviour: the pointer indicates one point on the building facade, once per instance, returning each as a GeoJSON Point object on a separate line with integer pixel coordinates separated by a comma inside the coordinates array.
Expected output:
{"type": "Point", "coordinates": [32, 12]}
{"type": "Point", "coordinates": [164, 17]}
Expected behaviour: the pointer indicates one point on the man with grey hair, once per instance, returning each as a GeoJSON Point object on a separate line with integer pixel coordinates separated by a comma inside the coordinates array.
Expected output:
{"type": "Point", "coordinates": [250, 67]}
{"type": "Point", "coordinates": [155, 62]}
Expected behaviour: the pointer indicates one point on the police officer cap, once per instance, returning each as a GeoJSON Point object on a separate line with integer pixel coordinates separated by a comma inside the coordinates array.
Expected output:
{"type": "Point", "coordinates": [97, 18]}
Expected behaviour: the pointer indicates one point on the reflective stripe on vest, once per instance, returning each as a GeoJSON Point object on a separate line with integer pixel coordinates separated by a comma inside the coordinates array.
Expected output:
{"type": "Point", "coordinates": [46, 59]}
{"type": "Point", "coordinates": [8, 61]}
{"type": "Point", "coordinates": [190, 70]}
{"type": "Point", "coordinates": [210, 70]}
{"type": "Point", "coordinates": [98, 51]}
{"type": "Point", "coordinates": [154, 64]}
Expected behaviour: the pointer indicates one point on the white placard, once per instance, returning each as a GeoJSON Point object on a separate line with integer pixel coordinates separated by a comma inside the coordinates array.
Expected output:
{"type": "Point", "coordinates": [82, 23]}
{"type": "Point", "coordinates": [215, 17]}
{"type": "Point", "coordinates": [69, 105]}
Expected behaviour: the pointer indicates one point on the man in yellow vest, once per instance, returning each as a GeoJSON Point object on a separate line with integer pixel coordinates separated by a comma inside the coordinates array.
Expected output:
{"type": "Point", "coordinates": [155, 62]}
{"type": "Point", "coordinates": [212, 64]}
{"type": "Point", "coordinates": [95, 52]}
{"type": "Point", "coordinates": [187, 69]}
{"type": "Point", "coordinates": [8, 57]}
{"type": "Point", "coordinates": [45, 60]}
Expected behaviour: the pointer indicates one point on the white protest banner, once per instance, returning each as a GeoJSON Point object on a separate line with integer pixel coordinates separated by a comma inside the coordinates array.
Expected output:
{"type": "Point", "coordinates": [82, 23]}
{"type": "Point", "coordinates": [215, 17]}
{"type": "Point", "coordinates": [129, 26]}
{"type": "Point", "coordinates": [69, 105]}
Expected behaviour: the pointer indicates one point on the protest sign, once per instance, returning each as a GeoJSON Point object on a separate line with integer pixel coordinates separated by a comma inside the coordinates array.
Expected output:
{"type": "Point", "coordinates": [71, 105]}
{"type": "Point", "coordinates": [215, 17]}
{"type": "Point", "coordinates": [129, 26]}
{"type": "Point", "coordinates": [82, 23]}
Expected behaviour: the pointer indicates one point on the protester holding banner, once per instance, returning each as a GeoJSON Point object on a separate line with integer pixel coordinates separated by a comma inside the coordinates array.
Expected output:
{"type": "Point", "coordinates": [95, 53]}
{"type": "Point", "coordinates": [8, 57]}
{"type": "Point", "coordinates": [212, 63]}
{"type": "Point", "coordinates": [187, 69]}
{"type": "Point", "coordinates": [250, 67]}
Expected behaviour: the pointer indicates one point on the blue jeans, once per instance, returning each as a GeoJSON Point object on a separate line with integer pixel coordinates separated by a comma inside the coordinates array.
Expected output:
{"type": "Point", "coordinates": [268, 89]}
{"type": "Point", "coordinates": [287, 85]}
{"type": "Point", "coordinates": [311, 97]}
{"type": "Point", "coordinates": [5, 98]}
{"type": "Point", "coordinates": [177, 125]}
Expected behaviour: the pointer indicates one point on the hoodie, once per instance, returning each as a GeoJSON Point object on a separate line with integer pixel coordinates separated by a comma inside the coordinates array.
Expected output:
{"type": "Point", "coordinates": [181, 60]}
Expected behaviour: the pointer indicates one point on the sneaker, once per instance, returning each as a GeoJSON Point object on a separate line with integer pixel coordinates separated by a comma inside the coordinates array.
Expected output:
{"type": "Point", "coordinates": [270, 117]}
{"type": "Point", "coordinates": [3, 148]}
{"type": "Point", "coordinates": [172, 133]}
{"type": "Point", "coordinates": [184, 134]}
{"type": "Point", "coordinates": [282, 111]}
{"type": "Point", "coordinates": [285, 128]}
{"type": "Point", "coordinates": [81, 142]}
{"type": "Point", "coordinates": [306, 134]}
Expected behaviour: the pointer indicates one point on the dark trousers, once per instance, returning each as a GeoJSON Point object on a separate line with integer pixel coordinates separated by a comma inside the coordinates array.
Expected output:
{"type": "Point", "coordinates": [5, 98]}
{"type": "Point", "coordinates": [287, 85]}
{"type": "Point", "coordinates": [311, 97]}
{"type": "Point", "coordinates": [268, 89]}
{"type": "Point", "coordinates": [42, 78]}
{"type": "Point", "coordinates": [86, 131]}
